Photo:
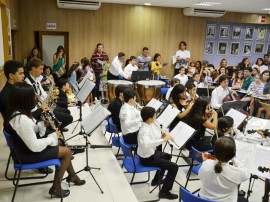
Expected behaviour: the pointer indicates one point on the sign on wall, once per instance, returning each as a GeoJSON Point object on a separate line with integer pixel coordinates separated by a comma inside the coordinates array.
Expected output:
{"type": "Point", "coordinates": [50, 25]}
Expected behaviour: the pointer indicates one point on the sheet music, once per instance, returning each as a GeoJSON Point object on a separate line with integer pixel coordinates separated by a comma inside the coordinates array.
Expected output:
{"type": "Point", "coordinates": [181, 134]}
{"type": "Point", "coordinates": [94, 119]}
{"type": "Point", "coordinates": [86, 77]}
{"type": "Point", "coordinates": [86, 89]}
{"type": "Point", "coordinates": [100, 62]}
{"type": "Point", "coordinates": [167, 116]}
{"type": "Point", "coordinates": [237, 116]}
{"type": "Point", "coordinates": [156, 104]}
{"type": "Point", "coordinates": [257, 123]}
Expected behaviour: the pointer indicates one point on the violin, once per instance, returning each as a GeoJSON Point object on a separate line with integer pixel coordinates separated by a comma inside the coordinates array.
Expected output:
{"type": "Point", "coordinates": [208, 156]}
{"type": "Point", "coordinates": [185, 101]}
{"type": "Point", "coordinates": [263, 169]}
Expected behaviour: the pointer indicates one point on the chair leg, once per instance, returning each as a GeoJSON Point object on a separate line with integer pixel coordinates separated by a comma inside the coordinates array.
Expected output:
{"type": "Point", "coordinates": [188, 175]}
{"type": "Point", "coordinates": [110, 137]}
{"type": "Point", "coordinates": [6, 172]}
{"type": "Point", "coordinates": [131, 182]}
{"type": "Point", "coordinates": [17, 184]}
{"type": "Point", "coordinates": [117, 152]}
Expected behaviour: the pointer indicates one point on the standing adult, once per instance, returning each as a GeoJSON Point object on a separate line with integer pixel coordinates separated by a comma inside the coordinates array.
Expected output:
{"type": "Point", "coordinates": [34, 54]}
{"type": "Point", "coordinates": [182, 57]}
{"type": "Point", "coordinates": [116, 68]}
{"type": "Point", "coordinates": [59, 63]}
{"type": "Point", "coordinates": [143, 60]}
{"type": "Point", "coordinates": [96, 59]}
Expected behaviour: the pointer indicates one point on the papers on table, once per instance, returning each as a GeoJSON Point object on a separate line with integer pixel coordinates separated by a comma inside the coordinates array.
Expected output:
{"type": "Point", "coordinates": [167, 116]}
{"type": "Point", "coordinates": [237, 116]}
{"type": "Point", "coordinates": [156, 104]}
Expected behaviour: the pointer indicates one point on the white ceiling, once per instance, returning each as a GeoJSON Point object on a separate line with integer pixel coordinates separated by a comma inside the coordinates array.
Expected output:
{"type": "Point", "coordinates": [245, 6]}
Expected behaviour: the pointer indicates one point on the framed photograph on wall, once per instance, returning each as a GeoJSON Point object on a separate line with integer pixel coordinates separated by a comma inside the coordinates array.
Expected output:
{"type": "Point", "coordinates": [222, 48]}
{"type": "Point", "coordinates": [247, 49]}
{"type": "Point", "coordinates": [209, 48]}
{"type": "Point", "coordinates": [261, 33]}
{"type": "Point", "coordinates": [224, 32]}
{"type": "Point", "coordinates": [268, 49]}
{"type": "Point", "coordinates": [235, 48]}
{"type": "Point", "coordinates": [210, 31]}
{"type": "Point", "coordinates": [259, 48]}
{"type": "Point", "coordinates": [236, 33]}
{"type": "Point", "coordinates": [249, 33]}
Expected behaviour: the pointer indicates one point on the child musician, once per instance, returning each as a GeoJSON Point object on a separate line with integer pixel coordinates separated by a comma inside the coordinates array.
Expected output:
{"type": "Point", "coordinates": [148, 139]}
{"type": "Point", "coordinates": [220, 180]}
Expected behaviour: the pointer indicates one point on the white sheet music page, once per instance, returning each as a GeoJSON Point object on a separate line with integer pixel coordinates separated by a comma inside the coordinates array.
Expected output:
{"type": "Point", "coordinates": [94, 119]}
{"type": "Point", "coordinates": [86, 77]}
{"type": "Point", "coordinates": [257, 123]}
{"type": "Point", "coordinates": [167, 116]}
{"type": "Point", "coordinates": [237, 116]}
{"type": "Point", "coordinates": [86, 89]}
{"type": "Point", "coordinates": [156, 104]}
{"type": "Point", "coordinates": [181, 134]}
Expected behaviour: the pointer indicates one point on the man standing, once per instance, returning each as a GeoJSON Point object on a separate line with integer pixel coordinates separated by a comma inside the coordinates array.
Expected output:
{"type": "Point", "coordinates": [96, 59]}
{"type": "Point", "coordinates": [144, 60]}
{"type": "Point", "coordinates": [116, 70]}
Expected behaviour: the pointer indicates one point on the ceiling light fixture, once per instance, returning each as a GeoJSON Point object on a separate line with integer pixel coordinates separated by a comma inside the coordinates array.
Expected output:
{"type": "Point", "coordinates": [147, 4]}
{"type": "Point", "coordinates": [207, 3]}
{"type": "Point", "coordinates": [266, 9]}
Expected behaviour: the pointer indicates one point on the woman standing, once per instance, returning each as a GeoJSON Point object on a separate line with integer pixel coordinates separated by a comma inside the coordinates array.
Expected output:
{"type": "Point", "coordinates": [156, 66]}
{"type": "Point", "coordinates": [59, 62]}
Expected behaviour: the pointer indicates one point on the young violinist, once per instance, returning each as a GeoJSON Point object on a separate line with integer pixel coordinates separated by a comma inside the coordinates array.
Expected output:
{"type": "Point", "coordinates": [191, 92]}
{"type": "Point", "coordinates": [33, 148]}
{"type": "Point", "coordinates": [174, 82]}
{"type": "Point", "coordinates": [178, 99]}
{"type": "Point", "coordinates": [201, 117]}
{"type": "Point", "coordinates": [149, 139]}
{"type": "Point", "coordinates": [219, 178]}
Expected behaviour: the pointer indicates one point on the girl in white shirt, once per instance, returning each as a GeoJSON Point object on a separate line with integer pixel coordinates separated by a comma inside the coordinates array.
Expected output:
{"type": "Point", "coordinates": [33, 148]}
{"type": "Point", "coordinates": [220, 180]}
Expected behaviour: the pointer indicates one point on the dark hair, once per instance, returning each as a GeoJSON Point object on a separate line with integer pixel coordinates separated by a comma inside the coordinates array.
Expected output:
{"type": "Point", "coordinates": [182, 42]}
{"type": "Point", "coordinates": [147, 113]}
{"type": "Point", "coordinates": [181, 68]}
{"type": "Point", "coordinates": [35, 48]}
{"type": "Point", "coordinates": [73, 67]}
{"type": "Point", "coordinates": [105, 58]}
{"type": "Point", "coordinates": [266, 71]}
{"type": "Point", "coordinates": [129, 94]}
{"type": "Point", "coordinates": [145, 48]}
{"type": "Point", "coordinates": [196, 73]}
{"type": "Point", "coordinates": [60, 48]}
{"type": "Point", "coordinates": [198, 109]}
{"type": "Point", "coordinates": [260, 60]}
{"type": "Point", "coordinates": [156, 56]}
{"type": "Point", "coordinates": [132, 58]}
{"type": "Point", "coordinates": [120, 89]}
{"type": "Point", "coordinates": [222, 61]}
{"type": "Point", "coordinates": [99, 44]}
{"type": "Point", "coordinates": [266, 55]}
{"type": "Point", "coordinates": [11, 67]}
{"type": "Point", "coordinates": [177, 89]}
{"type": "Point", "coordinates": [85, 62]}
{"type": "Point", "coordinates": [34, 62]}
{"type": "Point", "coordinates": [190, 85]}
{"type": "Point", "coordinates": [237, 77]}
{"type": "Point", "coordinates": [241, 65]}
{"type": "Point", "coordinates": [222, 78]}
{"type": "Point", "coordinates": [224, 123]}
{"type": "Point", "coordinates": [248, 69]}
{"type": "Point", "coordinates": [45, 68]}
{"type": "Point", "coordinates": [61, 82]}
{"type": "Point", "coordinates": [127, 62]}
{"type": "Point", "coordinates": [211, 65]}
{"type": "Point", "coordinates": [121, 54]}
{"type": "Point", "coordinates": [256, 69]}
{"type": "Point", "coordinates": [21, 99]}
{"type": "Point", "coordinates": [174, 81]}
{"type": "Point", "coordinates": [224, 150]}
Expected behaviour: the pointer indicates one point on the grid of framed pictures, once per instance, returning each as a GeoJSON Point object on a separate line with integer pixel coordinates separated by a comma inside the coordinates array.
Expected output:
{"type": "Point", "coordinates": [237, 39]}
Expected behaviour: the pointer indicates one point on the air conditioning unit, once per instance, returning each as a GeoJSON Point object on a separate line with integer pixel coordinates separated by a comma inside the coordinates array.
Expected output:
{"type": "Point", "coordinates": [203, 13]}
{"type": "Point", "coordinates": [78, 4]}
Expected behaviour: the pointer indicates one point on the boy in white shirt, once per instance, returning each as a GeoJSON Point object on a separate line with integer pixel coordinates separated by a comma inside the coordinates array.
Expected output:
{"type": "Point", "coordinates": [131, 66]}
{"type": "Point", "coordinates": [181, 76]}
{"type": "Point", "coordinates": [148, 139]}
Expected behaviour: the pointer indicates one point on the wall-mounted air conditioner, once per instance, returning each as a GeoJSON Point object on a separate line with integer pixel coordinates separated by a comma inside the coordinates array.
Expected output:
{"type": "Point", "coordinates": [203, 12]}
{"type": "Point", "coordinates": [78, 4]}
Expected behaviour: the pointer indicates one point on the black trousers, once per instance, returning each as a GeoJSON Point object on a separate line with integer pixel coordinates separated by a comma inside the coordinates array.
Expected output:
{"type": "Point", "coordinates": [110, 76]}
{"type": "Point", "coordinates": [63, 115]}
{"type": "Point", "coordinates": [96, 91]}
{"type": "Point", "coordinates": [131, 138]}
{"type": "Point", "coordinates": [162, 160]}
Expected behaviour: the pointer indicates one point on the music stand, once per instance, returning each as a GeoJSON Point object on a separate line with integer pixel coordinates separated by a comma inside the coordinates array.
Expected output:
{"type": "Point", "coordinates": [141, 75]}
{"type": "Point", "coordinates": [233, 104]}
{"type": "Point", "coordinates": [96, 117]}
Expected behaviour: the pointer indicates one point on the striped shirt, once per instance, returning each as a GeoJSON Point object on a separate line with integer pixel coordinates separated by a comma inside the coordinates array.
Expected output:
{"type": "Point", "coordinates": [257, 90]}
{"type": "Point", "coordinates": [95, 57]}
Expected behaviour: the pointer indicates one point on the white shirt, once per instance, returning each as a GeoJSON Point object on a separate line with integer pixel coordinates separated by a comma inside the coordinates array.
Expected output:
{"type": "Point", "coordinates": [130, 68]}
{"type": "Point", "coordinates": [183, 55]}
{"type": "Point", "coordinates": [168, 93]}
{"type": "Point", "coordinates": [183, 79]}
{"type": "Point", "coordinates": [148, 139]}
{"type": "Point", "coordinates": [116, 68]}
{"type": "Point", "coordinates": [222, 187]}
{"type": "Point", "coordinates": [217, 97]}
{"type": "Point", "coordinates": [37, 86]}
{"type": "Point", "coordinates": [130, 119]}
{"type": "Point", "coordinates": [27, 129]}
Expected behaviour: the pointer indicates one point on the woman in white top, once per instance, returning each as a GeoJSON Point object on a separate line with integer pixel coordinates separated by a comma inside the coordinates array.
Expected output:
{"type": "Point", "coordinates": [181, 76]}
{"type": "Point", "coordinates": [220, 180]}
{"type": "Point", "coordinates": [33, 148]}
{"type": "Point", "coordinates": [182, 57]}
{"type": "Point", "coordinates": [259, 64]}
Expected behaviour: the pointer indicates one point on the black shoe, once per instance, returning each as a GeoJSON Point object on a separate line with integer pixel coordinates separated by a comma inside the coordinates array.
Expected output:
{"type": "Point", "coordinates": [55, 193]}
{"type": "Point", "coordinates": [241, 193]}
{"type": "Point", "coordinates": [64, 130]}
{"type": "Point", "coordinates": [45, 170]}
{"type": "Point", "coordinates": [168, 195]}
{"type": "Point", "coordinates": [155, 183]}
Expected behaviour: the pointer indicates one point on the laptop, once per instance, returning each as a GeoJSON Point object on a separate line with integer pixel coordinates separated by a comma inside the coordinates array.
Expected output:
{"type": "Point", "coordinates": [141, 75]}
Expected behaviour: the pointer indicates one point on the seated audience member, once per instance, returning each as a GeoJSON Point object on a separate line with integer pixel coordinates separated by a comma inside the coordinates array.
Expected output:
{"type": "Point", "coordinates": [181, 76]}
{"type": "Point", "coordinates": [144, 60]}
{"type": "Point", "coordinates": [173, 83]}
{"type": "Point", "coordinates": [32, 149]}
{"type": "Point", "coordinates": [259, 65]}
{"type": "Point", "coordinates": [201, 117]}
{"type": "Point", "coordinates": [198, 66]}
{"type": "Point", "coordinates": [178, 99]}
{"type": "Point", "coordinates": [221, 71]}
{"type": "Point", "coordinates": [131, 66]}
{"type": "Point", "coordinates": [149, 138]}
{"type": "Point", "coordinates": [223, 63]}
{"type": "Point", "coordinates": [115, 105]}
{"type": "Point", "coordinates": [220, 179]}
{"type": "Point", "coordinates": [130, 118]}
{"type": "Point", "coordinates": [62, 99]}
{"type": "Point", "coordinates": [266, 60]}
{"type": "Point", "coordinates": [254, 72]}
{"type": "Point", "coordinates": [47, 80]}
{"type": "Point", "coordinates": [191, 92]}
{"type": "Point", "coordinates": [116, 70]}
{"type": "Point", "coordinates": [103, 79]}
{"type": "Point", "coordinates": [248, 79]}
{"type": "Point", "coordinates": [243, 64]}
{"type": "Point", "coordinates": [238, 81]}
{"type": "Point", "coordinates": [196, 81]}
{"type": "Point", "coordinates": [72, 76]}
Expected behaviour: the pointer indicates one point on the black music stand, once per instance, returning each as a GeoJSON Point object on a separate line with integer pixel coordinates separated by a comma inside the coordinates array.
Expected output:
{"type": "Point", "coordinates": [237, 105]}
{"type": "Point", "coordinates": [141, 75]}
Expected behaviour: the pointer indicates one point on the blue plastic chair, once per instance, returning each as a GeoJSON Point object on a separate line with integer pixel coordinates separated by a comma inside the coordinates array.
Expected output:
{"type": "Point", "coordinates": [195, 167]}
{"type": "Point", "coordinates": [186, 196]}
{"type": "Point", "coordinates": [19, 166]}
{"type": "Point", "coordinates": [132, 163]}
{"type": "Point", "coordinates": [163, 92]}
{"type": "Point", "coordinates": [116, 139]}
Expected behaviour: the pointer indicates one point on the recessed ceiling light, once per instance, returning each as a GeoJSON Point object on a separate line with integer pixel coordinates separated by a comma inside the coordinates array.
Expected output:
{"type": "Point", "coordinates": [147, 4]}
{"type": "Point", "coordinates": [266, 9]}
{"type": "Point", "coordinates": [207, 3]}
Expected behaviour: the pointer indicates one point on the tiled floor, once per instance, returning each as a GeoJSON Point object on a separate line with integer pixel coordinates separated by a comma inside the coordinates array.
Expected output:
{"type": "Point", "coordinates": [111, 177]}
